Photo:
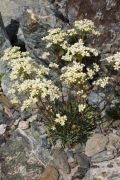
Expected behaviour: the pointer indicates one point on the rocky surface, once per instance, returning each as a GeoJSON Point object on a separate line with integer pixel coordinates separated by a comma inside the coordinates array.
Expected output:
{"type": "Point", "coordinates": [96, 144]}
{"type": "Point", "coordinates": [105, 14]}
{"type": "Point", "coordinates": [25, 150]}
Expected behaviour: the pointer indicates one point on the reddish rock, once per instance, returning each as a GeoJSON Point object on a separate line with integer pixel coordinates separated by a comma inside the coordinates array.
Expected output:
{"type": "Point", "coordinates": [105, 14]}
{"type": "Point", "coordinates": [50, 173]}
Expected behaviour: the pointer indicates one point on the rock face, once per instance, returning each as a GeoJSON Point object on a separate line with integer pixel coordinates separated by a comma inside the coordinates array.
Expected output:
{"type": "Point", "coordinates": [35, 23]}
{"type": "Point", "coordinates": [105, 14]}
{"type": "Point", "coordinates": [26, 156]}
{"type": "Point", "coordinates": [60, 160]}
{"type": "Point", "coordinates": [4, 42]}
{"type": "Point", "coordinates": [95, 144]}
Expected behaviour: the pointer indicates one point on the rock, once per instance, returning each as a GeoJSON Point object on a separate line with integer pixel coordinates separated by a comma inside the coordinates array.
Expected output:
{"type": "Point", "coordinates": [1, 108]}
{"type": "Point", "coordinates": [79, 148]}
{"type": "Point", "coordinates": [112, 148]}
{"type": "Point", "coordinates": [105, 125]}
{"type": "Point", "coordinates": [95, 144]}
{"type": "Point", "coordinates": [50, 173]}
{"type": "Point", "coordinates": [105, 170]}
{"type": "Point", "coordinates": [116, 123]}
{"type": "Point", "coordinates": [105, 14]}
{"type": "Point", "coordinates": [82, 160]}
{"type": "Point", "coordinates": [83, 165]}
{"type": "Point", "coordinates": [23, 125]}
{"type": "Point", "coordinates": [4, 41]}
{"type": "Point", "coordinates": [80, 173]}
{"type": "Point", "coordinates": [22, 163]}
{"type": "Point", "coordinates": [33, 118]}
{"type": "Point", "coordinates": [35, 29]}
{"type": "Point", "coordinates": [16, 115]}
{"type": "Point", "coordinates": [44, 142]}
{"type": "Point", "coordinates": [96, 98]}
{"type": "Point", "coordinates": [107, 48]}
{"type": "Point", "coordinates": [102, 156]}
{"type": "Point", "coordinates": [61, 161]}
{"type": "Point", "coordinates": [26, 114]}
{"type": "Point", "coordinates": [2, 128]}
{"type": "Point", "coordinates": [6, 86]}
{"type": "Point", "coordinates": [5, 100]}
{"type": "Point", "coordinates": [114, 138]}
{"type": "Point", "coordinates": [17, 121]}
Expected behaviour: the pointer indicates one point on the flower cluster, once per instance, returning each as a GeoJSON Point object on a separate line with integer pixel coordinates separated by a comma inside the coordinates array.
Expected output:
{"type": "Point", "coordinates": [73, 74]}
{"type": "Point", "coordinates": [56, 36]}
{"type": "Point", "coordinates": [61, 119]}
{"type": "Point", "coordinates": [78, 51]}
{"type": "Point", "coordinates": [115, 60]}
{"type": "Point", "coordinates": [102, 82]}
{"type": "Point", "coordinates": [86, 26]}
{"type": "Point", "coordinates": [29, 78]}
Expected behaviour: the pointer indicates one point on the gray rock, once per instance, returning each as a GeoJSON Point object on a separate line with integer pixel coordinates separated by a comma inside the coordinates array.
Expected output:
{"type": "Point", "coordinates": [96, 99]}
{"type": "Point", "coordinates": [33, 118]}
{"type": "Point", "coordinates": [26, 114]}
{"type": "Point", "coordinates": [95, 144]}
{"type": "Point", "coordinates": [1, 108]}
{"type": "Point", "coordinates": [70, 156]}
{"type": "Point", "coordinates": [105, 170]}
{"type": "Point", "coordinates": [80, 173]}
{"type": "Point", "coordinates": [35, 29]}
{"type": "Point", "coordinates": [22, 164]}
{"type": "Point", "coordinates": [4, 41]}
{"type": "Point", "coordinates": [2, 128]}
{"type": "Point", "coordinates": [45, 143]}
{"type": "Point", "coordinates": [82, 160]}
{"type": "Point", "coordinates": [16, 115]}
{"type": "Point", "coordinates": [60, 160]}
{"type": "Point", "coordinates": [17, 121]}
{"type": "Point", "coordinates": [102, 156]}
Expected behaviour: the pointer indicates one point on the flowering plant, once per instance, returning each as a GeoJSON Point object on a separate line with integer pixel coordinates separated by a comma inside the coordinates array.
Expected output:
{"type": "Point", "coordinates": [63, 99]}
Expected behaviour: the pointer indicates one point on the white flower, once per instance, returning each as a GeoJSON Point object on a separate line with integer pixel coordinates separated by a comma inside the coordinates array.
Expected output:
{"type": "Point", "coordinates": [81, 107]}
{"type": "Point", "coordinates": [61, 119]}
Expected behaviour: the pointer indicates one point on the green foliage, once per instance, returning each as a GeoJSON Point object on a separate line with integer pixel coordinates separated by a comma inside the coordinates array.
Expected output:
{"type": "Point", "coordinates": [77, 128]}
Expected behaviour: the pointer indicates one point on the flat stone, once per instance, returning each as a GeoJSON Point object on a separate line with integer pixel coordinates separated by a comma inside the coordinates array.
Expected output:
{"type": "Point", "coordinates": [61, 161]}
{"type": "Point", "coordinates": [95, 144]}
{"type": "Point", "coordinates": [106, 170]}
{"type": "Point", "coordinates": [102, 156]}
{"type": "Point", "coordinates": [2, 128]}
{"type": "Point", "coordinates": [50, 173]}
{"type": "Point", "coordinates": [23, 125]}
